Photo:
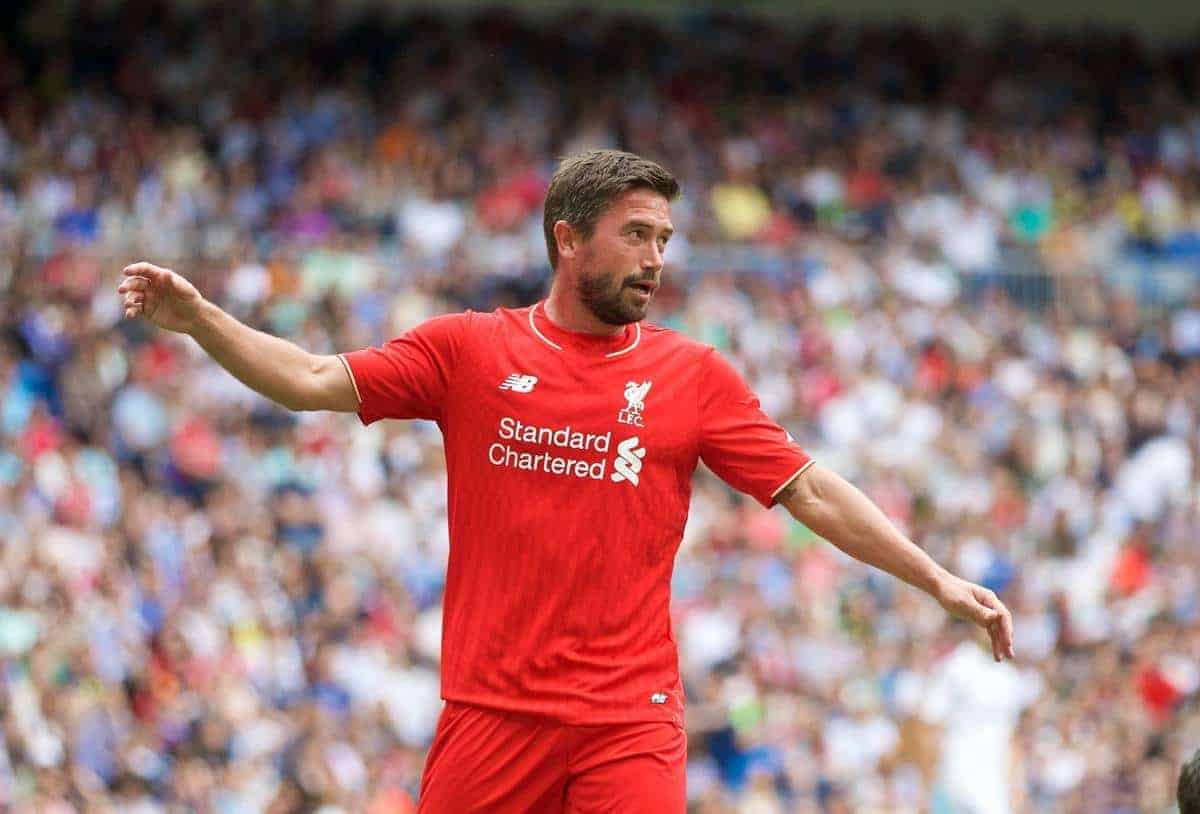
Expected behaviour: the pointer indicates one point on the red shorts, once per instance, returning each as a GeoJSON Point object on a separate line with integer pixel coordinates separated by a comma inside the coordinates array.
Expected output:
{"type": "Point", "coordinates": [486, 760]}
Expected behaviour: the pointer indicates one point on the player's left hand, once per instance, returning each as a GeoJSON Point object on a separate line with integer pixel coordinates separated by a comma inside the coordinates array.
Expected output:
{"type": "Point", "coordinates": [977, 604]}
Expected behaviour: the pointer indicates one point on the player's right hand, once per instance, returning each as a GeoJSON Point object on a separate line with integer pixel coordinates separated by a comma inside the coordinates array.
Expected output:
{"type": "Point", "coordinates": [161, 296]}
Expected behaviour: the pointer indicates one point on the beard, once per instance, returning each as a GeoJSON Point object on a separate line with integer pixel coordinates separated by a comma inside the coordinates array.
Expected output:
{"type": "Point", "coordinates": [608, 302]}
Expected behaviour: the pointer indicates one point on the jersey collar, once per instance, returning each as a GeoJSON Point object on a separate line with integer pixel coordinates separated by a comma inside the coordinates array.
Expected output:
{"type": "Point", "coordinates": [560, 338]}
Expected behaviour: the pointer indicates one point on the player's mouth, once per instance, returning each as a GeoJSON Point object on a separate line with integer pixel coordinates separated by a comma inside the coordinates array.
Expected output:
{"type": "Point", "coordinates": [644, 289]}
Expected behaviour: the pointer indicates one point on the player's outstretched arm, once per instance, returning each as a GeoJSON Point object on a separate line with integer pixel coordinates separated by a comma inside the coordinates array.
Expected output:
{"type": "Point", "coordinates": [839, 512]}
{"type": "Point", "coordinates": [272, 366]}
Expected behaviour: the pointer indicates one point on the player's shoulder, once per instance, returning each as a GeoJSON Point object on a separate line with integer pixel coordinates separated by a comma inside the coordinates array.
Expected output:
{"type": "Point", "coordinates": [501, 324]}
{"type": "Point", "coordinates": [468, 321]}
{"type": "Point", "coordinates": [662, 338]}
{"type": "Point", "coordinates": [706, 363]}
{"type": "Point", "coordinates": [505, 318]}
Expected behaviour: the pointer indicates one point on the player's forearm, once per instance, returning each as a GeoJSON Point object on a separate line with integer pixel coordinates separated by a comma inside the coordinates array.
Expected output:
{"type": "Point", "coordinates": [274, 367]}
{"type": "Point", "coordinates": [839, 512]}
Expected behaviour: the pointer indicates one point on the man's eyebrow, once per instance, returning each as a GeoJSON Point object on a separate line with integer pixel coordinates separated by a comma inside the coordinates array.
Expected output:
{"type": "Point", "coordinates": [639, 222]}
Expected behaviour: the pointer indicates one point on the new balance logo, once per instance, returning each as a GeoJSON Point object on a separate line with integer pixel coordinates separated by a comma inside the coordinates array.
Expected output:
{"type": "Point", "coordinates": [628, 463]}
{"type": "Point", "coordinates": [518, 383]}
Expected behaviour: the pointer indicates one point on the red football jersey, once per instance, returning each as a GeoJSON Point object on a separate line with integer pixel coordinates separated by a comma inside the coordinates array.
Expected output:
{"type": "Point", "coordinates": [570, 459]}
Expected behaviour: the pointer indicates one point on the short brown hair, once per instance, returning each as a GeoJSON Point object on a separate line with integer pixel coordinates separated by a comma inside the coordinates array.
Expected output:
{"type": "Point", "coordinates": [586, 183]}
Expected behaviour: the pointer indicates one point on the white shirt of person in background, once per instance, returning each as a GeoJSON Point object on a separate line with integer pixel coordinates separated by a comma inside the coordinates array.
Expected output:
{"type": "Point", "coordinates": [977, 702]}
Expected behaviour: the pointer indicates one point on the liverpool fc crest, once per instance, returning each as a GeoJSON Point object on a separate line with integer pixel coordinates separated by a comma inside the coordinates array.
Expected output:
{"type": "Point", "coordinates": [635, 398]}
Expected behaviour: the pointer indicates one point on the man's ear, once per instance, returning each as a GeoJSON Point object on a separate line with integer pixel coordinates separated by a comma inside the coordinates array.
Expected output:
{"type": "Point", "coordinates": [567, 238]}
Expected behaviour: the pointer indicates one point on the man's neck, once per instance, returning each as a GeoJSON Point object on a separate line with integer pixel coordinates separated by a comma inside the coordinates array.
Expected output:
{"type": "Point", "coordinates": [564, 309]}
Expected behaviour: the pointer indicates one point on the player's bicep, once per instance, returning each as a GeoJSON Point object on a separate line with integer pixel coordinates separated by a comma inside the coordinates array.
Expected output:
{"type": "Point", "coordinates": [326, 384]}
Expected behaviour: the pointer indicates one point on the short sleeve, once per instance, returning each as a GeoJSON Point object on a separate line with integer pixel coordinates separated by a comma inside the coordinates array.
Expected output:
{"type": "Point", "coordinates": [410, 376]}
{"type": "Point", "coordinates": [738, 442]}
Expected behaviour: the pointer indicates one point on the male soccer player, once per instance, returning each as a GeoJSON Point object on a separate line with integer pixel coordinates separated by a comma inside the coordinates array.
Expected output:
{"type": "Point", "coordinates": [571, 432]}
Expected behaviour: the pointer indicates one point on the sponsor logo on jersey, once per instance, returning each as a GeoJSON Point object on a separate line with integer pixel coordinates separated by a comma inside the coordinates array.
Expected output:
{"type": "Point", "coordinates": [658, 698]}
{"type": "Point", "coordinates": [635, 398]}
{"type": "Point", "coordinates": [519, 383]}
{"type": "Point", "coordinates": [565, 451]}
{"type": "Point", "coordinates": [627, 466]}
{"type": "Point", "coordinates": [513, 429]}
{"type": "Point", "coordinates": [560, 438]}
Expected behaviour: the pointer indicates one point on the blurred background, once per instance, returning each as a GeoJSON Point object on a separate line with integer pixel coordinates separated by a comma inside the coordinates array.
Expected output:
{"type": "Point", "coordinates": [958, 260]}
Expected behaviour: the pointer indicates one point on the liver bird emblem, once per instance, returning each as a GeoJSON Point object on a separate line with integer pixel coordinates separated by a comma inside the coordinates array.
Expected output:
{"type": "Point", "coordinates": [635, 398]}
{"type": "Point", "coordinates": [635, 394]}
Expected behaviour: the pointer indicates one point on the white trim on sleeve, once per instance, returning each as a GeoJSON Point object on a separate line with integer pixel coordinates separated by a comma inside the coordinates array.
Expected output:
{"type": "Point", "coordinates": [350, 373]}
{"type": "Point", "coordinates": [795, 475]}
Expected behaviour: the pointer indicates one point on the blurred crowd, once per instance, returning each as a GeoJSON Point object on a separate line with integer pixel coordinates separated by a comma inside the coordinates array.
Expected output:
{"type": "Point", "coordinates": [209, 604]}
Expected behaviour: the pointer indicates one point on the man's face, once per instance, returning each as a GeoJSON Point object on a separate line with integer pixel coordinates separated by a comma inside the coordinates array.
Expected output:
{"type": "Point", "coordinates": [621, 263]}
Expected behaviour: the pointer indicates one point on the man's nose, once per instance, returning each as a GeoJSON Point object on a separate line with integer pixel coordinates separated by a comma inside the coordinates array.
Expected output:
{"type": "Point", "coordinates": [654, 259]}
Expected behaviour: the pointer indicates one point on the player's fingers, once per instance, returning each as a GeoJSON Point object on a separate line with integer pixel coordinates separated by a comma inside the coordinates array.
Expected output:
{"type": "Point", "coordinates": [148, 270]}
{"type": "Point", "coordinates": [133, 284]}
{"type": "Point", "coordinates": [976, 609]}
{"type": "Point", "coordinates": [994, 635]}
{"type": "Point", "coordinates": [999, 624]}
{"type": "Point", "coordinates": [986, 618]}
